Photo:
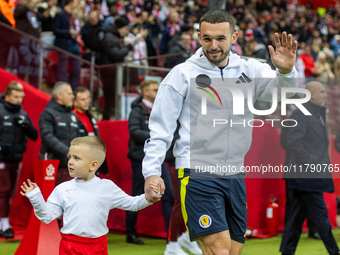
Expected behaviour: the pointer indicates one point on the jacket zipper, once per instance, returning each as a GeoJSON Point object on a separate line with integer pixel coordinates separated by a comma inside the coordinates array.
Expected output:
{"type": "Point", "coordinates": [227, 152]}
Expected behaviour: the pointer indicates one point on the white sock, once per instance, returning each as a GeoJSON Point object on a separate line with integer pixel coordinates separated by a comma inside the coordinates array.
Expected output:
{"type": "Point", "coordinates": [186, 234]}
{"type": "Point", "coordinates": [172, 244]}
{"type": "Point", "coordinates": [5, 224]}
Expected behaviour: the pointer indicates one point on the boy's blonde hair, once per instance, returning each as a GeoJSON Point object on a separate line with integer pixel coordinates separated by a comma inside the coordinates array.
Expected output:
{"type": "Point", "coordinates": [95, 144]}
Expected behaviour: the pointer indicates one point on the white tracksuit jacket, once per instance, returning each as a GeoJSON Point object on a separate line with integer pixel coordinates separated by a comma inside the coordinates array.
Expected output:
{"type": "Point", "coordinates": [202, 144]}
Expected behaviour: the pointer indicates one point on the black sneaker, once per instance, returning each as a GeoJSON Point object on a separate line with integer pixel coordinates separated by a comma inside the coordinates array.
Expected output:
{"type": "Point", "coordinates": [8, 233]}
{"type": "Point", "coordinates": [134, 239]}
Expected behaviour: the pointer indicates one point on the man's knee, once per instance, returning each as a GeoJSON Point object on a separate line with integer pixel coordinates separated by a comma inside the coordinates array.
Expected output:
{"type": "Point", "coordinates": [216, 244]}
{"type": "Point", "coordinates": [214, 250]}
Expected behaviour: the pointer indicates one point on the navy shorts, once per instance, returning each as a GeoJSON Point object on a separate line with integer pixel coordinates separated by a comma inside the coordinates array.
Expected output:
{"type": "Point", "coordinates": [211, 205]}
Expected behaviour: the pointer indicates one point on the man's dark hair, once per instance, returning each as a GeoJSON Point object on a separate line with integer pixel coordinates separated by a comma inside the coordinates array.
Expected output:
{"type": "Point", "coordinates": [218, 16]}
{"type": "Point", "coordinates": [79, 90]}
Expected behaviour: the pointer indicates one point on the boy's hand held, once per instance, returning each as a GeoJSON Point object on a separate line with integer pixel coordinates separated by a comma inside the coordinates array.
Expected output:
{"type": "Point", "coordinates": [156, 188]}
{"type": "Point", "coordinates": [150, 195]}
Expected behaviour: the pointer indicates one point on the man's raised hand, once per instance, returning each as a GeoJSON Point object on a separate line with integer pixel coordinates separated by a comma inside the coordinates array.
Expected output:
{"type": "Point", "coordinates": [284, 57]}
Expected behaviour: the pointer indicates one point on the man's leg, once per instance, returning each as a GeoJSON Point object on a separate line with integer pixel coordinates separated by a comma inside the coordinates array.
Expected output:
{"type": "Point", "coordinates": [62, 67]}
{"type": "Point", "coordinates": [236, 248]}
{"type": "Point", "coordinates": [317, 207]}
{"type": "Point", "coordinates": [176, 223]}
{"type": "Point", "coordinates": [136, 189]}
{"type": "Point", "coordinates": [8, 177]}
{"type": "Point", "coordinates": [108, 77]}
{"type": "Point", "coordinates": [206, 211]}
{"type": "Point", "coordinates": [312, 230]}
{"type": "Point", "coordinates": [75, 72]}
{"type": "Point", "coordinates": [289, 199]}
{"type": "Point", "coordinates": [168, 197]}
{"type": "Point", "coordinates": [293, 227]}
{"type": "Point", "coordinates": [236, 212]}
{"type": "Point", "coordinates": [219, 244]}
{"type": "Point", "coordinates": [313, 233]}
{"type": "Point", "coordinates": [5, 190]}
{"type": "Point", "coordinates": [176, 219]}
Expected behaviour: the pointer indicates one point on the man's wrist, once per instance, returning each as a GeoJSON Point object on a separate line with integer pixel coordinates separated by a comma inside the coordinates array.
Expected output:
{"type": "Point", "coordinates": [150, 175]}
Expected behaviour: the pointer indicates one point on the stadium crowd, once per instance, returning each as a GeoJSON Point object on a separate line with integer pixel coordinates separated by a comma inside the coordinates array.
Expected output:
{"type": "Point", "coordinates": [155, 27]}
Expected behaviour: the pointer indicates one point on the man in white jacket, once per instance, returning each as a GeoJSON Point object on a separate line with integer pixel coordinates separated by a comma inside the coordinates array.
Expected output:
{"type": "Point", "coordinates": [214, 209]}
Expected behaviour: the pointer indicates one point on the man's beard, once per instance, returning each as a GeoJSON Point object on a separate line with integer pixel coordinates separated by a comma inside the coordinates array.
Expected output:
{"type": "Point", "coordinates": [217, 61]}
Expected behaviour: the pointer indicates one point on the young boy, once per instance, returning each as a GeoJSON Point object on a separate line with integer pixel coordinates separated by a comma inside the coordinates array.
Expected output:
{"type": "Point", "coordinates": [84, 202]}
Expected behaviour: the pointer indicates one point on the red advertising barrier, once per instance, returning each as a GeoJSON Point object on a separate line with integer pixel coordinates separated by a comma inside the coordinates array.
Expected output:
{"type": "Point", "coordinates": [41, 238]}
{"type": "Point", "coordinates": [318, 3]}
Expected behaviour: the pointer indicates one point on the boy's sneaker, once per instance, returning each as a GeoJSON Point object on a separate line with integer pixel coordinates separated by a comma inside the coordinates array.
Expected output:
{"type": "Point", "coordinates": [184, 241]}
{"type": "Point", "coordinates": [174, 249]}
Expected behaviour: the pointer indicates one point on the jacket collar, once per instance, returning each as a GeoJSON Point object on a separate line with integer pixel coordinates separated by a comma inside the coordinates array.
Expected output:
{"type": "Point", "coordinates": [14, 108]}
{"type": "Point", "coordinates": [200, 59]}
{"type": "Point", "coordinates": [315, 109]}
{"type": "Point", "coordinates": [58, 107]}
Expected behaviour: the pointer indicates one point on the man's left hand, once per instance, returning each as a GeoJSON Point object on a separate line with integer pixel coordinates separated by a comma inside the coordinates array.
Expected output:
{"type": "Point", "coordinates": [284, 57]}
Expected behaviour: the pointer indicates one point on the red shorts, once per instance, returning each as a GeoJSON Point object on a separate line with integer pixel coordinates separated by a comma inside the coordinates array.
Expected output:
{"type": "Point", "coordinates": [77, 245]}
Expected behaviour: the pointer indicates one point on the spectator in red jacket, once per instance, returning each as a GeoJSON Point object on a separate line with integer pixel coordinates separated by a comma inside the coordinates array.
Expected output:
{"type": "Point", "coordinates": [308, 60]}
